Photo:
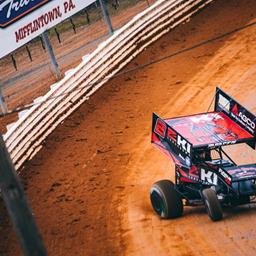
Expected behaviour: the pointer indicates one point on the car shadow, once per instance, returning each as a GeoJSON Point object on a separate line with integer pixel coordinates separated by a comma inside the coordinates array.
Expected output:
{"type": "Point", "coordinates": [229, 213]}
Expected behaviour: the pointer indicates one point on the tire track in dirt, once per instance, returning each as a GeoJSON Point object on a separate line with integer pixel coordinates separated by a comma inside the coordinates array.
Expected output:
{"type": "Point", "coordinates": [232, 67]}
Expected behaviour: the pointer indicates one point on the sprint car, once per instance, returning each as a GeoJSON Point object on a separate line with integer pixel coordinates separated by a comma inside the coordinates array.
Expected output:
{"type": "Point", "coordinates": [204, 173]}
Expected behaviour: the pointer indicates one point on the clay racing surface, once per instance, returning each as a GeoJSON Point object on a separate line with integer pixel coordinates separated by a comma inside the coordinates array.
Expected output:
{"type": "Point", "coordinates": [89, 186]}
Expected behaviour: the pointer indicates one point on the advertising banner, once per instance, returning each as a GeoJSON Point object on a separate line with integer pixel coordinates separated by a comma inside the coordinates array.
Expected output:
{"type": "Point", "coordinates": [23, 20]}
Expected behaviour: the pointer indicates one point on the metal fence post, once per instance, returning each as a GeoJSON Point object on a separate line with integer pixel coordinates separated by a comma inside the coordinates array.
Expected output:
{"type": "Point", "coordinates": [106, 16]}
{"type": "Point", "coordinates": [54, 64]}
{"type": "Point", "coordinates": [2, 102]}
{"type": "Point", "coordinates": [17, 206]}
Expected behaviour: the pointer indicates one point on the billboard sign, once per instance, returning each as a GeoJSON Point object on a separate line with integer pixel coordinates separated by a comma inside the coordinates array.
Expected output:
{"type": "Point", "coordinates": [23, 20]}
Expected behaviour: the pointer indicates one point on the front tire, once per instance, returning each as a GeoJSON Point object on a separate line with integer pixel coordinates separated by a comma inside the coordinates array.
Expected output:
{"type": "Point", "coordinates": [212, 204]}
{"type": "Point", "coordinates": [165, 200]}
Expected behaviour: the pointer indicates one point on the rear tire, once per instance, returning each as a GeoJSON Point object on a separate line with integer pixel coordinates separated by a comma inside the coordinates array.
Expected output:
{"type": "Point", "coordinates": [165, 200]}
{"type": "Point", "coordinates": [212, 204]}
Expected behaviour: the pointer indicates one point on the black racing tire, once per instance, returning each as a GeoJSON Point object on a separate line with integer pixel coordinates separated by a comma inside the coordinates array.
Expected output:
{"type": "Point", "coordinates": [212, 204]}
{"type": "Point", "coordinates": [165, 200]}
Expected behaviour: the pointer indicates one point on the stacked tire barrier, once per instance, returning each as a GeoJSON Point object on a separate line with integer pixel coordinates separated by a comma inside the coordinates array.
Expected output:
{"type": "Point", "coordinates": [25, 137]}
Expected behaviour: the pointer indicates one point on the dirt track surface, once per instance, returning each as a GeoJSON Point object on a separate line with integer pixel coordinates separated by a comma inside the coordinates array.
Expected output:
{"type": "Point", "coordinates": [89, 186]}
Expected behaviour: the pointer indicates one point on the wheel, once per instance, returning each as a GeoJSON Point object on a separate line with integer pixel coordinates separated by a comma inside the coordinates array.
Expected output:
{"type": "Point", "coordinates": [165, 200]}
{"type": "Point", "coordinates": [212, 204]}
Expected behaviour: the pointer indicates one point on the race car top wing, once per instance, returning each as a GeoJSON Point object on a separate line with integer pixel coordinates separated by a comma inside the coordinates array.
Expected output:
{"type": "Point", "coordinates": [181, 137]}
{"type": "Point", "coordinates": [209, 130]}
{"type": "Point", "coordinates": [237, 113]}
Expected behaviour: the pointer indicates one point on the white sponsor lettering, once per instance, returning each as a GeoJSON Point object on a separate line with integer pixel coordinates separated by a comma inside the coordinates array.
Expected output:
{"type": "Point", "coordinates": [209, 177]}
{"type": "Point", "coordinates": [247, 120]}
{"type": "Point", "coordinates": [239, 119]}
{"type": "Point", "coordinates": [183, 144]}
{"type": "Point", "coordinates": [222, 143]}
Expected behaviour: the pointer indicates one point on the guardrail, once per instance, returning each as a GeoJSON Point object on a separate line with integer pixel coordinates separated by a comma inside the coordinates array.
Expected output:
{"type": "Point", "coordinates": [25, 137]}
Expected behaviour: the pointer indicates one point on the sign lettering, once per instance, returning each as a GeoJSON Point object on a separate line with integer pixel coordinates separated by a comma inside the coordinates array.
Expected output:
{"type": "Point", "coordinates": [23, 20]}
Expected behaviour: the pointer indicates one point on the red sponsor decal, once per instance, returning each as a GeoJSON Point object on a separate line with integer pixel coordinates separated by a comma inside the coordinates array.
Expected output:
{"type": "Point", "coordinates": [155, 138]}
{"type": "Point", "coordinates": [182, 173]}
{"type": "Point", "coordinates": [160, 128]}
{"type": "Point", "coordinates": [235, 110]}
{"type": "Point", "coordinates": [183, 179]}
{"type": "Point", "coordinates": [228, 181]}
{"type": "Point", "coordinates": [194, 171]}
{"type": "Point", "coordinates": [171, 134]}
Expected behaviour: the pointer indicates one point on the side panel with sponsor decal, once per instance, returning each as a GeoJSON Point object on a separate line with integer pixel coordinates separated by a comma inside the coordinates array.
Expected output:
{"type": "Point", "coordinates": [208, 177]}
{"type": "Point", "coordinates": [241, 172]}
{"type": "Point", "coordinates": [224, 103]}
{"type": "Point", "coordinates": [188, 175]}
{"type": "Point", "coordinates": [165, 136]}
{"type": "Point", "coordinates": [204, 174]}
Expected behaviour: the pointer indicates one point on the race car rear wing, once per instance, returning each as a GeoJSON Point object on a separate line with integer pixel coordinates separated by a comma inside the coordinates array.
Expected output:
{"type": "Point", "coordinates": [171, 142]}
{"type": "Point", "coordinates": [183, 137]}
{"type": "Point", "coordinates": [236, 112]}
